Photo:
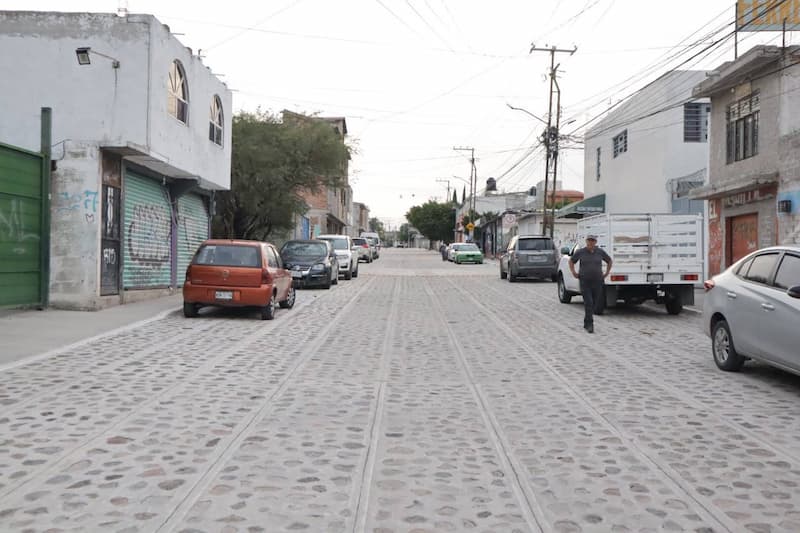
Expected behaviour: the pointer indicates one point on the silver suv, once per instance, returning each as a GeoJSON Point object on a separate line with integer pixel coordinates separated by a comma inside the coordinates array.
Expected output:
{"type": "Point", "coordinates": [529, 256]}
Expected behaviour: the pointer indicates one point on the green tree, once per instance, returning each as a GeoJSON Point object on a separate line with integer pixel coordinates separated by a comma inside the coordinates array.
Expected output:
{"type": "Point", "coordinates": [433, 219]}
{"type": "Point", "coordinates": [272, 163]}
{"type": "Point", "coordinates": [455, 197]}
{"type": "Point", "coordinates": [377, 226]}
{"type": "Point", "coordinates": [402, 234]}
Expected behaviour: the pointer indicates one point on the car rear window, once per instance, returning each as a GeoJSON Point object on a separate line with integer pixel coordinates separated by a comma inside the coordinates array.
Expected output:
{"type": "Point", "coordinates": [761, 268]}
{"type": "Point", "coordinates": [359, 241]}
{"type": "Point", "coordinates": [466, 248]}
{"type": "Point", "coordinates": [304, 249]}
{"type": "Point", "coordinates": [228, 255]}
{"type": "Point", "coordinates": [536, 244]}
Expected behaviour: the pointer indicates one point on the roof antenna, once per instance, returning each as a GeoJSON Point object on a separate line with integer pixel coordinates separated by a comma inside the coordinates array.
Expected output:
{"type": "Point", "coordinates": [122, 8]}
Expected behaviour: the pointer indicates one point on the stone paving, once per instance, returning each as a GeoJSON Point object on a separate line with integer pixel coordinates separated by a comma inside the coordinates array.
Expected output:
{"type": "Point", "coordinates": [421, 397]}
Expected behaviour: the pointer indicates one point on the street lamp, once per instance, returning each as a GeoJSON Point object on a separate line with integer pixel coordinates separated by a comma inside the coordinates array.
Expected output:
{"type": "Point", "coordinates": [84, 57]}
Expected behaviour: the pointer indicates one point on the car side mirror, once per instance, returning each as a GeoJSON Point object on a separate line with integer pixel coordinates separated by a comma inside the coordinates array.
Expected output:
{"type": "Point", "coordinates": [794, 292]}
{"type": "Point", "coordinates": [565, 250]}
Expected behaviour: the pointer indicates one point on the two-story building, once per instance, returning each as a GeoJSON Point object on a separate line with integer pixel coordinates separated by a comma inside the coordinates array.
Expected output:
{"type": "Point", "coordinates": [330, 208]}
{"type": "Point", "coordinates": [360, 219]}
{"type": "Point", "coordinates": [754, 173]}
{"type": "Point", "coordinates": [141, 140]}
{"type": "Point", "coordinates": [644, 156]}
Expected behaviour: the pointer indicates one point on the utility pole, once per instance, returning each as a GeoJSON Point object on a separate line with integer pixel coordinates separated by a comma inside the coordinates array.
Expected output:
{"type": "Point", "coordinates": [473, 175]}
{"type": "Point", "coordinates": [551, 133]}
{"type": "Point", "coordinates": [446, 198]}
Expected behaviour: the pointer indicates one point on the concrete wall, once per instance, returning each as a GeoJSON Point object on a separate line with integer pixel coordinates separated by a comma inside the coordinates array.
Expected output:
{"type": "Point", "coordinates": [636, 181]}
{"type": "Point", "coordinates": [108, 106]}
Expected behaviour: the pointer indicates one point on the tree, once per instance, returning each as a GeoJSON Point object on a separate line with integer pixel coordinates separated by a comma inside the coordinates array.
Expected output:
{"type": "Point", "coordinates": [272, 163]}
{"type": "Point", "coordinates": [464, 195]}
{"type": "Point", "coordinates": [377, 226]}
{"type": "Point", "coordinates": [434, 220]}
{"type": "Point", "coordinates": [455, 197]}
{"type": "Point", "coordinates": [402, 234]}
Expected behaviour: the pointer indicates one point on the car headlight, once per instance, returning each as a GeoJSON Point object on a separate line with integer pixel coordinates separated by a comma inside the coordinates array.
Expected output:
{"type": "Point", "coordinates": [319, 267]}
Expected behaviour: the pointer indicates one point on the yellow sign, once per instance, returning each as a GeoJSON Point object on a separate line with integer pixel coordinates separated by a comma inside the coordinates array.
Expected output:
{"type": "Point", "coordinates": [470, 226]}
{"type": "Point", "coordinates": [767, 15]}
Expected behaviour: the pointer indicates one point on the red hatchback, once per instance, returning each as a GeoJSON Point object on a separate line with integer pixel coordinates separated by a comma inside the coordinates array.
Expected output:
{"type": "Point", "coordinates": [232, 273]}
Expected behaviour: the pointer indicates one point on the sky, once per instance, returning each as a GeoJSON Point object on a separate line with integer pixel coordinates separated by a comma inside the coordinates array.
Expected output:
{"type": "Point", "coordinates": [417, 78]}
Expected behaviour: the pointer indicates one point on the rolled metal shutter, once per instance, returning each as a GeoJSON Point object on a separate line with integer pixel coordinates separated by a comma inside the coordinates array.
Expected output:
{"type": "Point", "coordinates": [148, 227]}
{"type": "Point", "coordinates": [192, 229]}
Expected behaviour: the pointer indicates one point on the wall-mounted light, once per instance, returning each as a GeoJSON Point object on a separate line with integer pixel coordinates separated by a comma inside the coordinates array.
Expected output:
{"type": "Point", "coordinates": [84, 57]}
{"type": "Point", "coordinates": [785, 206]}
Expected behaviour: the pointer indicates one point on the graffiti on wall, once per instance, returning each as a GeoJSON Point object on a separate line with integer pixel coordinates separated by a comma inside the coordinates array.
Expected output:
{"type": "Point", "coordinates": [85, 202]}
{"type": "Point", "coordinates": [14, 229]}
{"type": "Point", "coordinates": [149, 235]}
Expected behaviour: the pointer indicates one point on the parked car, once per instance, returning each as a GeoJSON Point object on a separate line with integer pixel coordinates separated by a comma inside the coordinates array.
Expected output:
{"type": "Point", "coordinates": [233, 273]}
{"type": "Point", "coordinates": [752, 310]}
{"type": "Point", "coordinates": [529, 256]}
{"type": "Point", "coordinates": [465, 252]}
{"type": "Point", "coordinates": [373, 235]}
{"type": "Point", "coordinates": [375, 246]}
{"type": "Point", "coordinates": [345, 253]}
{"type": "Point", "coordinates": [312, 263]}
{"type": "Point", "coordinates": [365, 252]}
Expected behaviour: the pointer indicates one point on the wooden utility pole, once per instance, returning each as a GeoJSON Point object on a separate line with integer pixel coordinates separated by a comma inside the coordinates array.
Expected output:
{"type": "Point", "coordinates": [551, 133]}
{"type": "Point", "coordinates": [473, 174]}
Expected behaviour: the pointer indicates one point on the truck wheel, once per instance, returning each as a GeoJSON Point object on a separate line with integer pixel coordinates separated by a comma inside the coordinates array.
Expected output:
{"type": "Point", "coordinates": [563, 294]}
{"type": "Point", "coordinates": [674, 305]}
{"type": "Point", "coordinates": [725, 355]}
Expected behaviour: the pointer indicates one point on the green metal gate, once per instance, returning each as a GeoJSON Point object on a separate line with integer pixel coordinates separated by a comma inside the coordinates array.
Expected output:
{"type": "Point", "coordinates": [148, 234]}
{"type": "Point", "coordinates": [192, 230]}
{"type": "Point", "coordinates": [22, 220]}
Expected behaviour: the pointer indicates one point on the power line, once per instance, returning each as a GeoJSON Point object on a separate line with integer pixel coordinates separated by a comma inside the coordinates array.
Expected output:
{"type": "Point", "coordinates": [258, 23]}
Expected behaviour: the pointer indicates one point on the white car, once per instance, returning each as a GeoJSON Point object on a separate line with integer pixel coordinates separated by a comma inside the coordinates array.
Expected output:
{"type": "Point", "coordinates": [346, 254]}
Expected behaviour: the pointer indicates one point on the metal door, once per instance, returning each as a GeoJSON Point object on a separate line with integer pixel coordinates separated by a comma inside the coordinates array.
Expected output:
{"type": "Point", "coordinates": [742, 236]}
{"type": "Point", "coordinates": [110, 255]}
{"type": "Point", "coordinates": [192, 230]}
{"type": "Point", "coordinates": [21, 227]}
{"type": "Point", "coordinates": [147, 234]}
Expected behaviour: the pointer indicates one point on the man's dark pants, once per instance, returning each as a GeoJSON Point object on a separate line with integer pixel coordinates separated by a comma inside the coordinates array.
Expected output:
{"type": "Point", "coordinates": [592, 292]}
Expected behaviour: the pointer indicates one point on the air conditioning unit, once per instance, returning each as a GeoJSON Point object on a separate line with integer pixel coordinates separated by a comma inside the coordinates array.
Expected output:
{"type": "Point", "coordinates": [784, 206]}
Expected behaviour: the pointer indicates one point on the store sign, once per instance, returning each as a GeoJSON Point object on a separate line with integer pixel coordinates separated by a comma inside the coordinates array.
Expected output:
{"type": "Point", "coordinates": [747, 197]}
{"type": "Point", "coordinates": [767, 15]}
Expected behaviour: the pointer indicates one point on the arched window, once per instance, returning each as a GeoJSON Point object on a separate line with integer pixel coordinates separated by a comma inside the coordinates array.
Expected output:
{"type": "Point", "coordinates": [215, 121]}
{"type": "Point", "coordinates": [178, 103]}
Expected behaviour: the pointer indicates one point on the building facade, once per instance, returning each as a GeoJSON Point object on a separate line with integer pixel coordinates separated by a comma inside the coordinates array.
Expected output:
{"type": "Point", "coordinates": [645, 155]}
{"type": "Point", "coordinates": [753, 188]}
{"type": "Point", "coordinates": [360, 219]}
{"type": "Point", "coordinates": [142, 139]}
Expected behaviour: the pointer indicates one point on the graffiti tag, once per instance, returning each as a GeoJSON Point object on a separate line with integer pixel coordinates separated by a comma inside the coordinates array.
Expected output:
{"type": "Point", "coordinates": [149, 235]}
{"type": "Point", "coordinates": [67, 202]}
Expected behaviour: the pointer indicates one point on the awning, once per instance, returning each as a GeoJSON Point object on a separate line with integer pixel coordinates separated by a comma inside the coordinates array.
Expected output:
{"type": "Point", "coordinates": [588, 206]}
{"type": "Point", "coordinates": [725, 188]}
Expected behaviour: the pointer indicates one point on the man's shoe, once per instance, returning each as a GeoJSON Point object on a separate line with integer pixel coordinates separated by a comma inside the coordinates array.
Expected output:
{"type": "Point", "coordinates": [590, 329]}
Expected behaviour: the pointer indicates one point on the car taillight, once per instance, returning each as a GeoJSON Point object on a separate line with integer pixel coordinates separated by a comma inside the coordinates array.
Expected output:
{"type": "Point", "coordinates": [266, 277]}
{"type": "Point", "coordinates": [189, 273]}
{"type": "Point", "coordinates": [709, 284]}
{"type": "Point", "coordinates": [365, 245]}
{"type": "Point", "coordinates": [618, 277]}
{"type": "Point", "coordinates": [690, 277]}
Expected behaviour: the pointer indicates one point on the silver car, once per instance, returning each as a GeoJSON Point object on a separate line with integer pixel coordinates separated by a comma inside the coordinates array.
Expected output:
{"type": "Point", "coordinates": [530, 256]}
{"type": "Point", "coordinates": [752, 310]}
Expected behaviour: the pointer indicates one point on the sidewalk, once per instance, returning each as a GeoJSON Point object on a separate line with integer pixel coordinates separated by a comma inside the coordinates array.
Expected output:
{"type": "Point", "coordinates": [31, 332]}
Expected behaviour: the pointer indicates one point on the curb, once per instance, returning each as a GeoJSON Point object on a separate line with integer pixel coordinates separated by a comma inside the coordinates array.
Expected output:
{"type": "Point", "coordinates": [77, 344]}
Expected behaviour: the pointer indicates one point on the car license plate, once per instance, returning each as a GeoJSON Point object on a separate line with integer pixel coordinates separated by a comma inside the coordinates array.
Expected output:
{"type": "Point", "coordinates": [536, 259]}
{"type": "Point", "coordinates": [224, 295]}
{"type": "Point", "coordinates": [297, 274]}
{"type": "Point", "coordinates": [655, 278]}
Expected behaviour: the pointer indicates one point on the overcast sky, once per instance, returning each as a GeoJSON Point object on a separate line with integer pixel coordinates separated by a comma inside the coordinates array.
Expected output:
{"type": "Point", "coordinates": [415, 78]}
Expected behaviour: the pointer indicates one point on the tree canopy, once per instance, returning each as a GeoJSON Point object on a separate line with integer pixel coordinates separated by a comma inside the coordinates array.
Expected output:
{"type": "Point", "coordinates": [433, 219]}
{"type": "Point", "coordinates": [272, 163]}
{"type": "Point", "coordinates": [377, 226]}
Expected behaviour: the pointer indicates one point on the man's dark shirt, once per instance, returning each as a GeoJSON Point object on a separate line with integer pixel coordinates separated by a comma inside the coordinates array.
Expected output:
{"type": "Point", "coordinates": [591, 263]}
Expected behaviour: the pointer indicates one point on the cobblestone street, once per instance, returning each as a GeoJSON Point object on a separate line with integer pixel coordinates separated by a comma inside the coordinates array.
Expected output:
{"type": "Point", "coordinates": [422, 396]}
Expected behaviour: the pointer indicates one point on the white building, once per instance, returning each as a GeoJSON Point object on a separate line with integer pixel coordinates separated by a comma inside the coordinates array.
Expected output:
{"type": "Point", "coordinates": [142, 139]}
{"type": "Point", "coordinates": [645, 155]}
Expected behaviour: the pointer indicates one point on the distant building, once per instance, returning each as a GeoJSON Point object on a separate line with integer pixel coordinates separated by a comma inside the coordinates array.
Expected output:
{"type": "Point", "coordinates": [142, 139]}
{"type": "Point", "coordinates": [753, 187]}
{"type": "Point", "coordinates": [360, 219]}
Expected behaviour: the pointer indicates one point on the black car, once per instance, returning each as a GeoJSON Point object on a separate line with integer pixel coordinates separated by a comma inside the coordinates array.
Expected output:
{"type": "Point", "coordinates": [312, 263]}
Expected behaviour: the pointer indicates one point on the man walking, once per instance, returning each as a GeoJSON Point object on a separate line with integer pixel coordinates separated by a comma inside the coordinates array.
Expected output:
{"type": "Point", "coordinates": [591, 277]}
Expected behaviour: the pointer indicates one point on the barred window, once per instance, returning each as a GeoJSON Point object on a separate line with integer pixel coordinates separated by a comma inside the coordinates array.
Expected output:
{"type": "Point", "coordinates": [621, 143]}
{"type": "Point", "coordinates": [695, 122]}
{"type": "Point", "coordinates": [742, 128]}
{"type": "Point", "coordinates": [178, 97]}
{"type": "Point", "coordinates": [215, 121]}
{"type": "Point", "coordinates": [598, 164]}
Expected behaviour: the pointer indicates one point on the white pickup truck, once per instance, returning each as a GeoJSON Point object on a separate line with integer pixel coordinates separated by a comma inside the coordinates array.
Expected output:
{"type": "Point", "coordinates": [655, 257]}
